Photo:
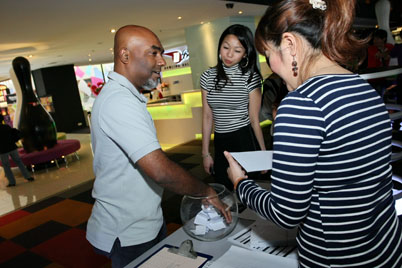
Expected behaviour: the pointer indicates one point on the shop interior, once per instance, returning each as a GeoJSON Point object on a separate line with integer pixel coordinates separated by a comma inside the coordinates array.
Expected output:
{"type": "Point", "coordinates": [175, 107]}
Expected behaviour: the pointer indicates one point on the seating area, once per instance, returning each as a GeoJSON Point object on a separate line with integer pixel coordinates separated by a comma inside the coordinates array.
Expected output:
{"type": "Point", "coordinates": [60, 150]}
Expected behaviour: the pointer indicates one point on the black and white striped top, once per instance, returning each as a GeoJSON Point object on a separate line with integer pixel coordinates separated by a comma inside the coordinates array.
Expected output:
{"type": "Point", "coordinates": [229, 104]}
{"type": "Point", "coordinates": [331, 175]}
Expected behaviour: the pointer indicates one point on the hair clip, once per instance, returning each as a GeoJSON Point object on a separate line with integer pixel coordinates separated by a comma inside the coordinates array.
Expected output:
{"type": "Point", "coordinates": [318, 4]}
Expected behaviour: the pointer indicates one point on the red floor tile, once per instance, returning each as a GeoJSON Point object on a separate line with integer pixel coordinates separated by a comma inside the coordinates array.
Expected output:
{"type": "Point", "coordinates": [70, 249]}
{"type": "Point", "coordinates": [13, 216]}
{"type": "Point", "coordinates": [9, 250]}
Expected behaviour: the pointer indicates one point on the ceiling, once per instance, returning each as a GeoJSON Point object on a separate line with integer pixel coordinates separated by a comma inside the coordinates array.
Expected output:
{"type": "Point", "coordinates": [59, 32]}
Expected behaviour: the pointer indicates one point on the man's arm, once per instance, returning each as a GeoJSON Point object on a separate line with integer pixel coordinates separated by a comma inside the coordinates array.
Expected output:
{"type": "Point", "coordinates": [171, 176]}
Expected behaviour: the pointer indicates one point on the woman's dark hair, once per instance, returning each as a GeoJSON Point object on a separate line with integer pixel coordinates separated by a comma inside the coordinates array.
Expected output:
{"type": "Point", "coordinates": [248, 64]}
{"type": "Point", "coordinates": [328, 30]}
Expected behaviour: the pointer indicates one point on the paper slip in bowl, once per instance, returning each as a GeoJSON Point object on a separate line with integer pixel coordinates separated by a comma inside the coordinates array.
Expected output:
{"type": "Point", "coordinates": [254, 160]}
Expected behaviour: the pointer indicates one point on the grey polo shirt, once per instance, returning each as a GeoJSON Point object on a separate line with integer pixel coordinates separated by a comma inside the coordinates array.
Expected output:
{"type": "Point", "coordinates": [127, 202]}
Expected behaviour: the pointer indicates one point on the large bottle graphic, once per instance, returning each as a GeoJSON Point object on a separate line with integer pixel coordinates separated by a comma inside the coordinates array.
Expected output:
{"type": "Point", "coordinates": [35, 123]}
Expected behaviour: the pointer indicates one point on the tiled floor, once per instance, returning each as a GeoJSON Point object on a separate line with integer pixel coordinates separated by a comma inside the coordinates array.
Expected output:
{"type": "Point", "coordinates": [48, 181]}
{"type": "Point", "coordinates": [43, 222]}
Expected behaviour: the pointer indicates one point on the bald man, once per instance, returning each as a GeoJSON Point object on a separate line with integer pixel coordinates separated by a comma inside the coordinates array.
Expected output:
{"type": "Point", "coordinates": [130, 168]}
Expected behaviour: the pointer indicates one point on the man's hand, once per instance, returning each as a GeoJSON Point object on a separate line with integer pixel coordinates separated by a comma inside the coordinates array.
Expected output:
{"type": "Point", "coordinates": [213, 199]}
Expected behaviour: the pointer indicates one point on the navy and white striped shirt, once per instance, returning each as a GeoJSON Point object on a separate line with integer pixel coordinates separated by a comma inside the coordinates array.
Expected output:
{"type": "Point", "coordinates": [229, 104]}
{"type": "Point", "coordinates": [331, 175]}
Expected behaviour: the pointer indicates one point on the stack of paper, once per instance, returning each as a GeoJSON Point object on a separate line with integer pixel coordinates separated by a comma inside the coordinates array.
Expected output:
{"type": "Point", "coordinates": [208, 219]}
{"type": "Point", "coordinates": [237, 257]}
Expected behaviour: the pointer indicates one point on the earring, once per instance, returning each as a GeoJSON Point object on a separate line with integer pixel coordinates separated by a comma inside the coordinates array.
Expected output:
{"type": "Point", "coordinates": [220, 57]}
{"type": "Point", "coordinates": [294, 66]}
{"type": "Point", "coordinates": [245, 65]}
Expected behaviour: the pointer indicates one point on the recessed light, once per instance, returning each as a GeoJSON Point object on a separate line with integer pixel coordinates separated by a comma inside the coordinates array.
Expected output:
{"type": "Point", "coordinates": [179, 17]}
{"type": "Point", "coordinates": [240, 12]}
{"type": "Point", "coordinates": [89, 59]}
{"type": "Point", "coordinates": [113, 30]}
{"type": "Point", "coordinates": [30, 56]}
{"type": "Point", "coordinates": [202, 22]}
{"type": "Point", "coordinates": [111, 49]}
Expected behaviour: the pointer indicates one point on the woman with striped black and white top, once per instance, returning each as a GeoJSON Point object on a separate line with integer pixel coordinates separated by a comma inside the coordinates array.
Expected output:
{"type": "Point", "coordinates": [231, 94]}
{"type": "Point", "coordinates": [331, 172]}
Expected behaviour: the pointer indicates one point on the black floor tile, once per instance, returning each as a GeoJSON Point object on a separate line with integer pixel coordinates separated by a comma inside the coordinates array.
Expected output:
{"type": "Point", "coordinates": [85, 197]}
{"type": "Point", "coordinates": [26, 259]}
{"type": "Point", "coordinates": [43, 204]}
{"type": "Point", "coordinates": [188, 166]}
{"type": "Point", "coordinates": [82, 226]}
{"type": "Point", "coordinates": [177, 157]}
{"type": "Point", "coordinates": [40, 234]}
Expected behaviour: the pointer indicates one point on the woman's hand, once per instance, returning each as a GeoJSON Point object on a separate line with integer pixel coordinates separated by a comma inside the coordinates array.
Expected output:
{"type": "Point", "coordinates": [235, 172]}
{"type": "Point", "coordinates": [208, 163]}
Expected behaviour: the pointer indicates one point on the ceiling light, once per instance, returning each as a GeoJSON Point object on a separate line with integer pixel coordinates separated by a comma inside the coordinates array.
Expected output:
{"type": "Point", "coordinates": [240, 12]}
{"type": "Point", "coordinates": [111, 49]}
{"type": "Point", "coordinates": [179, 17]}
{"type": "Point", "coordinates": [30, 56]}
{"type": "Point", "coordinates": [90, 60]}
{"type": "Point", "coordinates": [202, 22]}
{"type": "Point", "coordinates": [113, 30]}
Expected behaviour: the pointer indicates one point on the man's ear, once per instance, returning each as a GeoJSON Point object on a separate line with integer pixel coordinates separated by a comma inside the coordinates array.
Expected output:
{"type": "Point", "coordinates": [123, 55]}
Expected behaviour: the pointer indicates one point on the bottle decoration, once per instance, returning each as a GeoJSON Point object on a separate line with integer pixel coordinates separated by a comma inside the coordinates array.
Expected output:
{"type": "Point", "coordinates": [37, 126]}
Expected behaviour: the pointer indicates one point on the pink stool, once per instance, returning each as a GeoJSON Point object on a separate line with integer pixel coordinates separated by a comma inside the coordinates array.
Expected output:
{"type": "Point", "coordinates": [60, 150]}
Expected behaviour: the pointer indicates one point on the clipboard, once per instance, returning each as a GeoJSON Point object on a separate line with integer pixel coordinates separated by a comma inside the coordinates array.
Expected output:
{"type": "Point", "coordinates": [163, 258]}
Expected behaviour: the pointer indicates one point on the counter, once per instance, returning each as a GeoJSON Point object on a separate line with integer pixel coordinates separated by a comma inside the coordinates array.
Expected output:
{"type": "Point", "coordinates": [177, 120]}
{"type": "Point", "coordinates": [218, 248]}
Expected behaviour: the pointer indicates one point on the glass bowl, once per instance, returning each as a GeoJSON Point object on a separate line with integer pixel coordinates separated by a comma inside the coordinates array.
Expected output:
{"type": "Point", "coordinates": [204, 222]}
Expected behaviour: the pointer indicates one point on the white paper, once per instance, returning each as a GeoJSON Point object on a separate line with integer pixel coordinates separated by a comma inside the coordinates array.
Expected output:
{"type": "Point", "coordinates": [254, 160]}
{"type": "Point", "coordinates": [266, 237]}
{"type": "Point", "coordinates": [237, 257]}
{"type": "Point", "coordinates": [165, 259]}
